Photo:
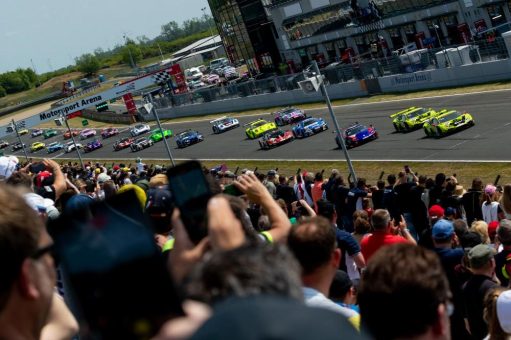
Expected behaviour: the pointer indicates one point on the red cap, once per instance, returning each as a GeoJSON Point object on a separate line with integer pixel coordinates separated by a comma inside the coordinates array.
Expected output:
{"type": "Point", "coordinates": [492, 229]}
{"type": "Point", "coordinates": [41, 177]}
{"type": "Point", "coordinates": [116, 167]}
{"type": "Point", "coordinates": [436, 211]}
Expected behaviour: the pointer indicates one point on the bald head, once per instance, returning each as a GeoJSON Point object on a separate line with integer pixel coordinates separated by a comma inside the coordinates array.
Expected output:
{"type": "Point", "coordinates": [312, 243]}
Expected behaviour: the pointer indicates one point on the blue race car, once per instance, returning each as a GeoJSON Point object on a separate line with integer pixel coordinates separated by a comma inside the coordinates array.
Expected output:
{"type": "Point", "coordinates": [94, 145]}
{"type": "Point", "coordinates": [54, 147]}
{"type": "Point", "coordinates": [188, 137]}
{"type": "Point", "coordinates": [357, 134]}
{"type": "Point", "coordinates": [309, 127]}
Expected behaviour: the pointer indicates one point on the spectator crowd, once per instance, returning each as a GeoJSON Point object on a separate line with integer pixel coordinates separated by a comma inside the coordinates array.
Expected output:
{"type": "Point", "coordinates": [306, 256]}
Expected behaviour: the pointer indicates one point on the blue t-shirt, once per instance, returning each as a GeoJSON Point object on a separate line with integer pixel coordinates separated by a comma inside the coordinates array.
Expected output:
{"type": "Point", "coordinates": [347, 243]}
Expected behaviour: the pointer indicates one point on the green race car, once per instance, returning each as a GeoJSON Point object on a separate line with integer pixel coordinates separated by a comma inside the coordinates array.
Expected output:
{"type": "Point", "coordinates": [156, 135]}
{"type": "Point", "coordinates": [415, 118]}
{"type": "Point", "coordinates": [258, 128]}
{"type": "Point", "coordinates": [49, 133]}
{"type": "Point", "coordinates": [448, 122]}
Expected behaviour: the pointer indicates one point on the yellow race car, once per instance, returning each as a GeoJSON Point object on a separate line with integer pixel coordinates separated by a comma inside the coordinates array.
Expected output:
{"type": "Point", "coordinates": [37, 146]}
{"type": "Point", "coordinates": [258, 128]}
{"type": "Point", "coordinates": [448, 122]}
{"type": "Point", "coordinates": [415, 118]}
{"type": "Point", "coordinates": [23, 132]}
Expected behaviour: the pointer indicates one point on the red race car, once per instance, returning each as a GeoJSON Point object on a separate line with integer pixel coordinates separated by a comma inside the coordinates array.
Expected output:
{"type": "Point", "coordinates": [275, 138]}
{"type": "Point", "coordinates": [75, 133]}
{"type": "Point", "coordinates": [109, 132]}
{"type": "Point", "coordinates": [123, 143]}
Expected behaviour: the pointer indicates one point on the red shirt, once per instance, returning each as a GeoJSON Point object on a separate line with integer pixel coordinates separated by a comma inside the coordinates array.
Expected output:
{"type": "Point", "coordinates": [372, 242]}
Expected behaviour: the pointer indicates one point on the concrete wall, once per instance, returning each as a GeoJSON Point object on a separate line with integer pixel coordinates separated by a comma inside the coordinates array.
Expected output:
{"type": "Point", "coordinates": [448, 77]}
{"type": "Point", "coordinates": [336, 91]}
{"type": "Point", "coordinates": [108, 117]}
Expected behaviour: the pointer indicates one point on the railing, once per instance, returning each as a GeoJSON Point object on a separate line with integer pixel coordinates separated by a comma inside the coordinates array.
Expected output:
{"type": "Point", "coordinates": [362, 67]}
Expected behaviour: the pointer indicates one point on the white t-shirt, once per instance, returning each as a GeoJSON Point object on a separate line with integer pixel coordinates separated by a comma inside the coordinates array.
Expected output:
{"type": "Point", "coordinates": [314, 298]}
{"type": "Point", "coordinates": [490, 211]}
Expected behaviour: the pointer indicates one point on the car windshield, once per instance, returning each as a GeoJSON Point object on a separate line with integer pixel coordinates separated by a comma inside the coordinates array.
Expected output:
{"type": "Point", "coordinates": [124, 140]}
{"type": "Point", "coordinates": [139, 126]}
{"type": "Point", "coordinates": [414, 114]}
{"type": "Point", "coordinates": [449, 117]}
{"type": "Point", "coordinates": [258, 123]}
{"type": "Point", "coordinates": [186, 134]}
{"type": "Point", "coordinates": [286, 111]}
{"type": "Point", "coordinates": [223, 121]}
{"type": "Point", "coordinates": [53, 144]}
{"type": "Point", "coordinates": [354, 130]}
{"type": "Point", "coordinates": [309, 121]}
{"type": "Point", "coordinates": [274, 134]}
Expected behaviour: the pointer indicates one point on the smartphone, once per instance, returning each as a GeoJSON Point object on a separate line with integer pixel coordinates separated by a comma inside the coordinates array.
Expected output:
{"type": "Point", "coordinates": [36, 168]}
{"type": "Point", "coordinates": [191, 193]}
{"type": "Point", "coordinates": [232, 190]}
{"type": "Point", "coordinates": [121, 290]}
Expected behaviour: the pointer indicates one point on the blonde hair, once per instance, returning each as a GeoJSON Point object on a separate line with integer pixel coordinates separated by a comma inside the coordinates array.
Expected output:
{"type": "Point", "coordinates": [495, 331]}
{"type": "Point", "coordinates": [505, 199]}
{"type": "Point", "coordinates": [481, 228]}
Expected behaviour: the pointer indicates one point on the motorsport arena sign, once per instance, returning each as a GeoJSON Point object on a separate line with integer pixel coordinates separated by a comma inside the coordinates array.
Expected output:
{"type": "Point", "coordinates": [158, 77]}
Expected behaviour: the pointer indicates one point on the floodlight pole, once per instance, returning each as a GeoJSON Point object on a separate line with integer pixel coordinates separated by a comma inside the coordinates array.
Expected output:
{"type": "Point", "coordinates": [337, 129]}
{"type": "Point", "coordinates": [161, 129]}
{"type": "Point", "coordinates": [73, 139]}
{"type": "Point", "coordinates": [15, 127]}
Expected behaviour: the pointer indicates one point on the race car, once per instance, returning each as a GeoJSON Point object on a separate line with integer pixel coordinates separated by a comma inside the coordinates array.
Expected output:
{"type": "Point", "coordinates": [156, 135]}
{"type": "Point", "coordinates": [224, 123]}
{"type": "Point", "coordinates": [87, 133]}
{"type": "Point", "coordinates": [49, 133]}
{"type": "Point", "coordinates": [357, 134]}
{"type": "Point", "coordinates": [188, 137]}
{"type": "Point", "coordinates": [211, 78]}
{"type": "Point", "coordinates": [394, 115]}
{"type": "Point", "coordinates": [275, 138]}
{"type": "Point", "coordinates": [123, 143]}
{"type": "Point", "coordinates": [54, 147]}
{"type": "Point", "coordinates": [139, 129]}
{"type": "Point", "coordinates": [74, 132]}
{"type": "Point", "coordinates": [23, 132]}
{"type": "Point", "coordinates": [3, 144]}
{"type": "Point", "coordinates": [36, 146]}
{"type": "Point", "coordinates": [414, 119]}
{"type": "Point", "coordinates": [308, 127]}
{"type": "Point", "coordinates": [258, 128]}
{"type": "Point", "coordinates": [36, 133]}
{"type": "Point", "coordinates": [289, 115]}
{"type": "Point", "coordinates": [448, 122]}
{"type": "Point", "coordinates": [17, 146]}
{"type": "Point", "coordinates": [109, 132]}
{"type": "Point", "coordinates": [70, 147]}
{"type": "Point", "coordinates": [94, 145]}
{"type": "Point", "coordinates": [141, 144]}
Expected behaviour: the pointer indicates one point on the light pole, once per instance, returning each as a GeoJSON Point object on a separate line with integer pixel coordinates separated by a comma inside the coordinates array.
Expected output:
{"type": "Point", "coordinates": [153, 108]}
{"type": "Point", "coordinates": [203, 9]}
{"type": "Point", "coordinates": [448, 62]}
{"type": "Point", "coordinates": [35, 71]}
{"type": "Point", "coordinates": [64, 118]}
{"type": "Point", "coordinates": [129, 51]}
{"type": "Point", "coordinates": [15, 128]}
{"type": "Point", "coordinates": [161, 53]}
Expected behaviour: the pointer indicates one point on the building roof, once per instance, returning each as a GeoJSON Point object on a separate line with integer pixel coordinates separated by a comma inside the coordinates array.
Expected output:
{"type": "Point", "coordinates": [202, 44]}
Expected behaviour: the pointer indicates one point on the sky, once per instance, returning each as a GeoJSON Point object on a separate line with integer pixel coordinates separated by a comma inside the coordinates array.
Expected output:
{"type": "Point", "coordinates": [53, 33]}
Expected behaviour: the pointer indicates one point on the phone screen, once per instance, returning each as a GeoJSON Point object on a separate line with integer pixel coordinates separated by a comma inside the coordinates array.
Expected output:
{"type": "Point", "coordinates": [37, 168]}
{"type": "Point", "coordinates": [191, 193]}
{"type": "Point", "coordinates": [115, 271]}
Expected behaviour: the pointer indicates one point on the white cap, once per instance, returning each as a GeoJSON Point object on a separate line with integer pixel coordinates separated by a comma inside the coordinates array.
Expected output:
{"type": "Point", "coordinates": [102, 178]}
{"type": "Point", "coordinates": [7, 166]}
{"type": "Point", "coordinates": [504, 310]}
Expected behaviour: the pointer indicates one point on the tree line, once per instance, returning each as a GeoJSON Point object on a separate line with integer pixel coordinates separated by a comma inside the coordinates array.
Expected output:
{"type": "Point", "coordinates": [172, 38]}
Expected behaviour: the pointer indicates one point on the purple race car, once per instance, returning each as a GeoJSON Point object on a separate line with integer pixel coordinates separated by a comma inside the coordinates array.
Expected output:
{"type": "Point", "coordinates": [289, 115]}
{"type": "Point", "coordinates": [94, 145]}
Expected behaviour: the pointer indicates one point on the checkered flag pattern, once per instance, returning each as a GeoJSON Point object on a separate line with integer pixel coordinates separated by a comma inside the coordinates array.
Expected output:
{"type": "Point", "coordinates": [161, 78]}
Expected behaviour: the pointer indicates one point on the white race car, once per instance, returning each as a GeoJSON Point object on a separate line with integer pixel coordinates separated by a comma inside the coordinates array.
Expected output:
{"type": "Point", "coordinates": [69, 147]}
{"type": "Point", "coordinates": [140, 129]}
{"type": "Point", "coordinates": [224, 123]}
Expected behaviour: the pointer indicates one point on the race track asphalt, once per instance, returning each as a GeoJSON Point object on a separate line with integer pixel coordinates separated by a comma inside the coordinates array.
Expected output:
{"type": "Point", "coordinates": [488, 140]}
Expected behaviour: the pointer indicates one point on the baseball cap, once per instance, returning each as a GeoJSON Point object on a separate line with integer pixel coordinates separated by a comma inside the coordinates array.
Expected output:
{"type": "Point", "coordinates": [442, 230]}
{"type": "Point", "coordinates": [139, 192]}
{"type": "Point", "coordinates": [490, 189]}
{"type": "Point", "coordinates": [450, 211]}
{"type": "Point", "coordinates": [436, 211]}
{"type": "Point", "coordinates": [97, 170]}
{"type": "Point", "coordinates": [272, 173]}
{"type": "Point", "coordinates": [8, 165]}
{"type": "Point", "coordinates": [116, 168]}
{"type": "Point", "coordinates": [504, 231]}
{"type": "Point", "coordinates": [102, 178]}
{"type": "Point", "coordinates": [340, 285]}
{"type": "Point", "coordinates": [504, 310]}
{"type": "Point", "coordinates": [480, 255]}
{"type": "Point", "coordinates": [158, 181]}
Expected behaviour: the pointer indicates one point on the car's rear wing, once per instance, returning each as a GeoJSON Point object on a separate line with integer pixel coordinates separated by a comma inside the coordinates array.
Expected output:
{"type": "Point", "coordinates": [403, 111]}
{"type": "Point", "coordinates": [252, 122]}
{"type": "Point", "coordinates": [217, 120]}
